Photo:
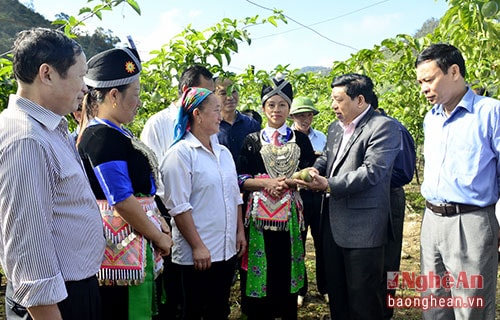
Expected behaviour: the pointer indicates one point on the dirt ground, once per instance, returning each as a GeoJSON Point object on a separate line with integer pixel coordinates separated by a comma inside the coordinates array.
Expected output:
{"type": "Point", "coordinates": [314, 306]}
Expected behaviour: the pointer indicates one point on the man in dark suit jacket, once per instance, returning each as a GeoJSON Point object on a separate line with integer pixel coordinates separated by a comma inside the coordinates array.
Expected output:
{"type": "Point", "coordinates": [355, 173]}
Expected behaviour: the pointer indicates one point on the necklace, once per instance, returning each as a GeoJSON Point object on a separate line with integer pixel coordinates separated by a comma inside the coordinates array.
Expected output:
{"type": "Point", "coordinates": [280, 160]}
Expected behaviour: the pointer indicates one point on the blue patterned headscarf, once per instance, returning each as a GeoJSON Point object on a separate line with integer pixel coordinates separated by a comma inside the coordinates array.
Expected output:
{"type": "Point", "coordinates": [191, 99]}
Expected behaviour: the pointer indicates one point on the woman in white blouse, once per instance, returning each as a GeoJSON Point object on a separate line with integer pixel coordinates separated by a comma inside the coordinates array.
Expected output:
{"type": "Point", "coordinates": [203, 197]}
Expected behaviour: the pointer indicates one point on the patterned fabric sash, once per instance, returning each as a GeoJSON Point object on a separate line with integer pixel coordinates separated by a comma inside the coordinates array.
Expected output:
{"type": "Point", "coordinates": [125, 260]}
{"type": "Point", "coordinates": [273, 213]}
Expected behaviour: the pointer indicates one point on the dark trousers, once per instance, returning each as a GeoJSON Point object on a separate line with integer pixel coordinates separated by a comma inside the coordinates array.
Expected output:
{"type": "Point", "coordinates": [171, 280]}
{"type": "Point", "coordinates": [353, 278]}
{"type": "Point", "coordinates": [392, 258]}
{"type": "Point", "coordinates": [205, 294]}
{"type": "Point", "coordinates": [312, 216]}
{"type": "Point", "coordinates": [83, 302]}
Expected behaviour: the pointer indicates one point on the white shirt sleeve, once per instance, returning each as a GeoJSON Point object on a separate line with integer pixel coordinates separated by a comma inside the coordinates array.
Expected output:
{"type": "Point", "coordinates": [176, 175]}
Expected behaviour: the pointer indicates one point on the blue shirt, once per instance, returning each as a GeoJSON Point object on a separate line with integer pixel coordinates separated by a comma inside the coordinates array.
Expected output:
{"type": "Point", "coordinates": [317, 138]}
{"type": "Point", "coordinates": [462, 152]}
{"type": "Point", "coordinates": [232, 136]}
{"type": "Point", "coordinates": [404, 164]}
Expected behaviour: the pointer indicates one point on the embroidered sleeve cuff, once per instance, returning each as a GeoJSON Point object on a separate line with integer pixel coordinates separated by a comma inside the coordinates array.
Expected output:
{"type": "Point", "coordinates": [242, 178]}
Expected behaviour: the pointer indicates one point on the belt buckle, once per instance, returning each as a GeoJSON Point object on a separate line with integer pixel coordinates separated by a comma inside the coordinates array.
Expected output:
{"type": "Point", "coordinates": [445, 207]}
{"type": "Point", "coordinates": [450, 209]}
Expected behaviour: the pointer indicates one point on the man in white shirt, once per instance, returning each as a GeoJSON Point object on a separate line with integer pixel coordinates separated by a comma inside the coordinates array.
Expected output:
{"type": "Point", "coordinates": [158, 131]}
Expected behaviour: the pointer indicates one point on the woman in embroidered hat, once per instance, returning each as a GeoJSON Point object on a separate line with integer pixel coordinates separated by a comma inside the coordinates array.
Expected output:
{"type": "Point", "coordinates": [123, 173]}
{"type": "Point", "coordinates": [202, 196]}
{"type": "Point", "coordinates": [273, 270]}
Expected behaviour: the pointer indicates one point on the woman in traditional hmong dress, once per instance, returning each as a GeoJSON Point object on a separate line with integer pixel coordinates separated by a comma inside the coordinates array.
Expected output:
{"type": "Point", "coordinates": [273, 271]}
{"type": "Point", "coordinates": [123, 173]}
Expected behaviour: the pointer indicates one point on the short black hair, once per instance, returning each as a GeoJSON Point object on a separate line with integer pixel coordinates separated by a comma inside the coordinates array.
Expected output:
{"type": "Point", "coordinates": [254, 114]}
{"type": "Point", "coordinates": [37, 46]}
{"type": "Point", "coordinates": [356, 84]}
{"type": "Point", "coordinates": [191, 77]}
{"type": "Point", "coordinates": [445, 55]}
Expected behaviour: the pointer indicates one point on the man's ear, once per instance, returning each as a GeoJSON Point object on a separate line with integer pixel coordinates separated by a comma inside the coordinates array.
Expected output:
{"type": "Point", "coordinates": [454, 70]}
{"type": "Point", "coordinates": [45, 73]}
{"type": "Point", "coordinates": [361, 100]}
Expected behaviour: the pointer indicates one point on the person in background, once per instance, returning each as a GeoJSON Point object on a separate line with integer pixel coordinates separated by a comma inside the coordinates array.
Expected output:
{"type": "Point", "coordinates": [273, 270]}
{"type": "Point", "coordinates": [302, 113]}
{"type": "Point", "coordinates": [158, 134]}
{"type": "Point", "coordinates": [253, 114]}
{"type": "Point", "coordinates": [158, 131]}
{"type": "Point", "coordinates": [461, 184]}
{"type": "Point", "coordinates": [123, 173]}
{"type": "Point", "coordinates": [402, 174]}
{"type": "Point", "coordinates": [52, 242]}
{"type": "Point", "coordinates": [234, 126]}
{"type": "Point", "coordinates": [77, 116]}
{"type": "Point", "coordinates": [355, 173]}
{"type": "Point", "coordinates": [481, 91]}
{"type": "Point", "coordinates": [202, 196]}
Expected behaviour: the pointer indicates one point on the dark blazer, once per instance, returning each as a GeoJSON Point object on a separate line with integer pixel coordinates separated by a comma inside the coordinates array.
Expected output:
{"type": "Point", "coordinates": [359, 204]}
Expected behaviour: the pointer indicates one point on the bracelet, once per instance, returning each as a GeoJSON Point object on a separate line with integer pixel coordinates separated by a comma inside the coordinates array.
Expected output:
{"type": "Point", "coordinates": [328, 189]}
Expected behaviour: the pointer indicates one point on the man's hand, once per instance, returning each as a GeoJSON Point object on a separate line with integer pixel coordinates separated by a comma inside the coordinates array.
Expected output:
{"type": "Point", "coordinates": [276, 187]}
{"type": "Point", "coordinates": [318, 183]}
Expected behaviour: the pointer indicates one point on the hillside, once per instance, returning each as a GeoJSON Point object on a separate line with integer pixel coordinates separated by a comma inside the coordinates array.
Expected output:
{"type": "Point", "coordinates": [15, 17]}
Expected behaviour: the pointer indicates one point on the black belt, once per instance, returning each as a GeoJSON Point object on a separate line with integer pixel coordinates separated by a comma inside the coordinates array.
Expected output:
{"type": "Point", "coordinates": [449, 209]}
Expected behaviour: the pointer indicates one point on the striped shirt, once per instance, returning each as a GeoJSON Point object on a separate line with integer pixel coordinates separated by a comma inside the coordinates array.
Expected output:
{"type": "Point", "coordinates": [50, 226]}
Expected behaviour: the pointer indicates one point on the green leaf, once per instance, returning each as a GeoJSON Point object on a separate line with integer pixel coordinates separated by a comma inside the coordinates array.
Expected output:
{"type": "Point", "coordinates": [84, 10]}
{"type": "Point", "coordinates": [134, 6]}
{"type": "Point", "coordinates": [272, 20]}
